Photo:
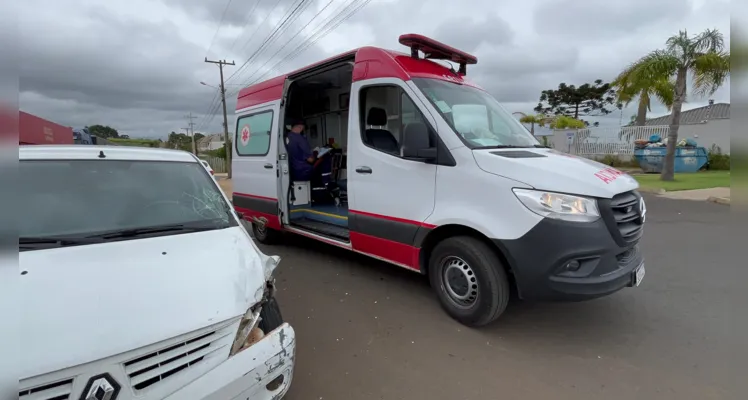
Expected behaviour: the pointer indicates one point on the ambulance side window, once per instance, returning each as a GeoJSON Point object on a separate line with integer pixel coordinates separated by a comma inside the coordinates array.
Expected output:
{"type": "Point", "coordinates": [384, 113]}
{"type": "Point", "coordinates": [252, 136]}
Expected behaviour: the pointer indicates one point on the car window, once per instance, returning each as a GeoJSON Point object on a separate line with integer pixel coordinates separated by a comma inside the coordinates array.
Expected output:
{"type": "Point", "coordinates": [83, 197]}
{"type": "Point", "coordinates": [253, 134]}
{"type": "Point", "coordinates": [474, 115]}
{"type": "Point", "coordinates": [385, 112]}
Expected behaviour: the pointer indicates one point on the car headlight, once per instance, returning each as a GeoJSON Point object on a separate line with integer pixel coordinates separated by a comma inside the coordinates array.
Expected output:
{"type": "Point", "coordinates": [248, 333]}
{"type": "Point", "coordinates": [559, 206]}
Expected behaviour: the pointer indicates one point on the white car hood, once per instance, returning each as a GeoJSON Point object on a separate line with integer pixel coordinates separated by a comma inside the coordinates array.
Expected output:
{"type": "Point", "coordinates": [551, 170]}
{"type": "Point", "coordinates": [85, 303]}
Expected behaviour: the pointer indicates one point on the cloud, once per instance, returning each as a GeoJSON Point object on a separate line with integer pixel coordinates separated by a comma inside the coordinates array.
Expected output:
{"type": "Point", "coordinates": [137, 64]}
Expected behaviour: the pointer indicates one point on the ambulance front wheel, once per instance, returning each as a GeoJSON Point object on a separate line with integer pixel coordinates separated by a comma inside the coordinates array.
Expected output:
{"type": "Point", "coordinates": [264, 234]}
{"type": "Point", "coordinates": [469, 279]}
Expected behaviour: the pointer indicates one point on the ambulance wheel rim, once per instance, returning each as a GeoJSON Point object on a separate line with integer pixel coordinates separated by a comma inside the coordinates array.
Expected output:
{"type": "Point", "coordinates": [459, 281]}
{"type": "Point", "coordinates": [260, 230]}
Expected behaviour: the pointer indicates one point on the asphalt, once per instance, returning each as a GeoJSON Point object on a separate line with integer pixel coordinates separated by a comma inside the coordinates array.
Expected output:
{"type": "Point", "coordinates": [368, 330]}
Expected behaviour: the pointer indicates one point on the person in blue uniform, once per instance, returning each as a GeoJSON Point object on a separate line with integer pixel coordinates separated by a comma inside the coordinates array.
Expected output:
{"type": "Point", "coordinates": [299, 152]}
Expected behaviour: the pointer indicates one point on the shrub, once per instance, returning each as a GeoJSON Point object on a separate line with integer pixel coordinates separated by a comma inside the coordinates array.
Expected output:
{"type": "Point", "coordinates": [616, 162]}
{"type": "Point", "coordinates": [716, 160]}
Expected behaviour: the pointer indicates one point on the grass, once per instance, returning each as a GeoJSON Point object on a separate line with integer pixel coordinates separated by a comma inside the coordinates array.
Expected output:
{"type": "Point", "coordinates": [699, 180]}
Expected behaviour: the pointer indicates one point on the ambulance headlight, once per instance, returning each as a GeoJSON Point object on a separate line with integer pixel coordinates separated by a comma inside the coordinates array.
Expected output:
{"type": "Point", "coordinates": [559, 206]}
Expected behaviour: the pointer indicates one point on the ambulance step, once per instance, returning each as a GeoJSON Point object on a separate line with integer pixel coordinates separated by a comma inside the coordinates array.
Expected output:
{"type": "Point", "coordinates": [333, 231]}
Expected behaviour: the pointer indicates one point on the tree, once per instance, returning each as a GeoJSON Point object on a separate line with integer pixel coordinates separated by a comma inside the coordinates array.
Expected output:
{"type": "Point", "coordinates": [103, 131]}
{"type": "Point", "coordinates": [628, 89]}
{"type": "Point", "coordinates": [564, 122]}
{"type": "Point", "coordinates": [532, 120]}
{"type": "Point", "coordinates": [179, 141]}
{"type": "Point", "coordinates": [703, 56]}
{"type": "Point", "coordinates": [571, 101]}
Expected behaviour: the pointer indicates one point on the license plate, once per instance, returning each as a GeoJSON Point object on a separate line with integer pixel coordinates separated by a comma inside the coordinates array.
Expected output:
{"type": "Point", "coordinates": [639, 275]}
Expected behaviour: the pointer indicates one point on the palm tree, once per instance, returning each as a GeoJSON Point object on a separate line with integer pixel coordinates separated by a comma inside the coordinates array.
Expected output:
{"type": "Point", "coordinates": [703, 56]}
{"type": "Point", "coordinates": [627, 90]}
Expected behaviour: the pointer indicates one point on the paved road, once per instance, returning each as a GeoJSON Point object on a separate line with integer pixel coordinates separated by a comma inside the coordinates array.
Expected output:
{"type": "Point", "coordinates": [367, 330]}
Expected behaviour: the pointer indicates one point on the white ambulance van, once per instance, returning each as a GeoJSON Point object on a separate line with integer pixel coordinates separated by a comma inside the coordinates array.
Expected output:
{"type": "Point", "coordinates": [423, 169]}
{"type": "Point", "coordinates": [138, 281]}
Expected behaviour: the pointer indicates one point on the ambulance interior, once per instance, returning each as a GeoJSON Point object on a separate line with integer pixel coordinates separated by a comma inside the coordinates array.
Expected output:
{"type": "Point", "coordinates": [322, 102]}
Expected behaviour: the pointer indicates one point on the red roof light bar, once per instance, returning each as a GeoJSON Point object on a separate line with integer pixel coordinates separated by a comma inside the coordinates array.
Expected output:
{"type": "Point", "coordinates": [435, 50]}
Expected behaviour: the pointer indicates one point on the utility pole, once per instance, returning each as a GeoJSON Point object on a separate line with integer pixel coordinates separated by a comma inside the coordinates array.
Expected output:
{"type": "Point", "coordinates": [226, 147]}
{"type": "Point", "coordinates": [192, 129]}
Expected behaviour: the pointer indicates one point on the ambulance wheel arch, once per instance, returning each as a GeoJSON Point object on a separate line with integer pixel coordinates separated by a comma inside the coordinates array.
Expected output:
{"type": "Point", "coordinates": [431, 240]}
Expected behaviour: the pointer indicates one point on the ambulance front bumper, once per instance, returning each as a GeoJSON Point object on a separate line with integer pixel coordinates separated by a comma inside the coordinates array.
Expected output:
{"type": "Point", "coordinates": [571, 261]}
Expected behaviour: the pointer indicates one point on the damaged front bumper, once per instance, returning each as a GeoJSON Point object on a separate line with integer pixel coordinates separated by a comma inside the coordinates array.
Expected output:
{"type": "Point", "coordinates": [261, 372]}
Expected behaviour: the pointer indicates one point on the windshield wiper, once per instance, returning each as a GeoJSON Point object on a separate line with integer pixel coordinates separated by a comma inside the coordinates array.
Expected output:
{"type": "Point", "coordinates": [32, 241]}
{"type": "Point", "coordinates": [135, 232]}
{"type": "Point", "coordinates": [540, 146]}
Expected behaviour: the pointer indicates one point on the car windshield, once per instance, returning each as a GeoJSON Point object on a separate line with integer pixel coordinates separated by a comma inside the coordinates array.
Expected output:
{"type": "Point", "coordinates": [112, 199]}
{"type": "Point", "coordinates": [476, 116]}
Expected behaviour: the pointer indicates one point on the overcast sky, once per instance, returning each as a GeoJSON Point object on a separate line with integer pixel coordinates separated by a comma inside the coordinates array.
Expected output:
{"type": "Point", "coordinates": [136, 65]}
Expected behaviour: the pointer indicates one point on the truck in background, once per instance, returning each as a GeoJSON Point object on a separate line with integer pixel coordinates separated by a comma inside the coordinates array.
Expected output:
{"type": "Point", "coordinates": [35, 130]}
{"type": "Point", "coordinates": [84, 136]}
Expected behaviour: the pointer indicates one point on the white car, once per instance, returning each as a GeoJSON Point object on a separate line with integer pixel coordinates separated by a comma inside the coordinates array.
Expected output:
{"type": "Point", "coordinates": [139, 281]}
{"type": "Point", "coordinates": [207, 166]}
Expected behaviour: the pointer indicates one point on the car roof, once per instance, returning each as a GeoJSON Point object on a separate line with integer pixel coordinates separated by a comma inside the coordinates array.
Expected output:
{"type": "Point", "coordinates": [85, 152]}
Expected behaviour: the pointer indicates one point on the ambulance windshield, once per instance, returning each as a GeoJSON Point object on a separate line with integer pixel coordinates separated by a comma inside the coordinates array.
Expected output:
{"type": "Point", "coordinates": [476, 116]}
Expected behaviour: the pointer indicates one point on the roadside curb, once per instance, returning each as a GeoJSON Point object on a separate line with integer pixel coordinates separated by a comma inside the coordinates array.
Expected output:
{"type": "Point", "coordinates": [719, 200]}
{"type": "Point", "coordinates": [651, 190]}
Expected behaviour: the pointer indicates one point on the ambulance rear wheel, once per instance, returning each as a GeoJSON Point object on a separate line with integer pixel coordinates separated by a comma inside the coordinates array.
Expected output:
{"type": "Point", "coordinates": [264, 234]}
{"type": "Point", "coordinates": [469, 279]}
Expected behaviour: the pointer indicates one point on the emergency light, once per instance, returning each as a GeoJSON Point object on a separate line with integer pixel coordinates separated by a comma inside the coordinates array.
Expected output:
{"type": "Point", "coordinates": [433, 50]}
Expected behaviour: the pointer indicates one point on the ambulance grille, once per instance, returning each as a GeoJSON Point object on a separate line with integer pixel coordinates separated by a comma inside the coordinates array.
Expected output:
{"type": "Point", "coordinates": [626, 217]}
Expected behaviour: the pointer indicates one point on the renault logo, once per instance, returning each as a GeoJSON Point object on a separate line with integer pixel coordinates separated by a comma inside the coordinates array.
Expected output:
{"type": "Point", "coordinates": [642, 209]}
{"type": "Point", "coordinates": [101, 387]}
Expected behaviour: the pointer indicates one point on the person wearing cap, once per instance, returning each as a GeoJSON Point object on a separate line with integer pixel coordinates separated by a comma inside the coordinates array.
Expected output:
{"type": "Point", "coordinates": [299, 152]}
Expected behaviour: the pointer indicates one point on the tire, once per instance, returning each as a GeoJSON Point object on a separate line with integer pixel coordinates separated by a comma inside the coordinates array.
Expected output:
{"type": "Point", "coordinates": [266, 235]}
{"type": "Point", "coordinates": [271, 316]}
{"type": "Point", "coordinates": [475, 265]}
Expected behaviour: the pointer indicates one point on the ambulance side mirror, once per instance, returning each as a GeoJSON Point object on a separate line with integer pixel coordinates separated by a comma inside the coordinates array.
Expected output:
{"type": "Point", "coordinates": [417, 143]}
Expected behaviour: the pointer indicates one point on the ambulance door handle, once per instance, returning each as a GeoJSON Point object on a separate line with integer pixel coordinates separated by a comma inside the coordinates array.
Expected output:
{"type": "Point", "coordinates": [268, 166]}
{"type": "Point", "coordinates": [363, 170]}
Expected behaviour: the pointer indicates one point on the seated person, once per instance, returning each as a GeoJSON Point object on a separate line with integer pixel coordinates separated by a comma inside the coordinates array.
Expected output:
{"type": "Point", "coordinates": [304, 163]}
{"type": "Point", "coordinates": [301, 159]}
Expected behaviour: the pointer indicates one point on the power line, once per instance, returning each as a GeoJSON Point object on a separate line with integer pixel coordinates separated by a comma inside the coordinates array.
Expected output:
{"type": "Point", "coordinates": [223, 16]}
{"type": "Point", "coordinates": [340, 10]}
{"type": "Point", "coordinates": [290, 16]}
{"type": "Point", "coordinates": [325, 28]}
{"type": "Point", "coordinates": [258, 25]}
{"type": "Point", "coordinates": [291, 39]}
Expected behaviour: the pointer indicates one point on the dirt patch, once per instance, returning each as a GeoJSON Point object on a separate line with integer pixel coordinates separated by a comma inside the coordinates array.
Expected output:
{"type": "Point", "coordinates": [227, 186]}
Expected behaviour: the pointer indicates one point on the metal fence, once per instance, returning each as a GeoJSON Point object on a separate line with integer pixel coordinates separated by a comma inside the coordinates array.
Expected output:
{"type": "Point", "coordinates": [599, 142]}
{"type": "Point", "coordinates": [218, 164]}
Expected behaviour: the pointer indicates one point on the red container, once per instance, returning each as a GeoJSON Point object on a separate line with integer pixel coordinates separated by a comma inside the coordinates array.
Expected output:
{"type": "Point", "coordinates": [35, 130]}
